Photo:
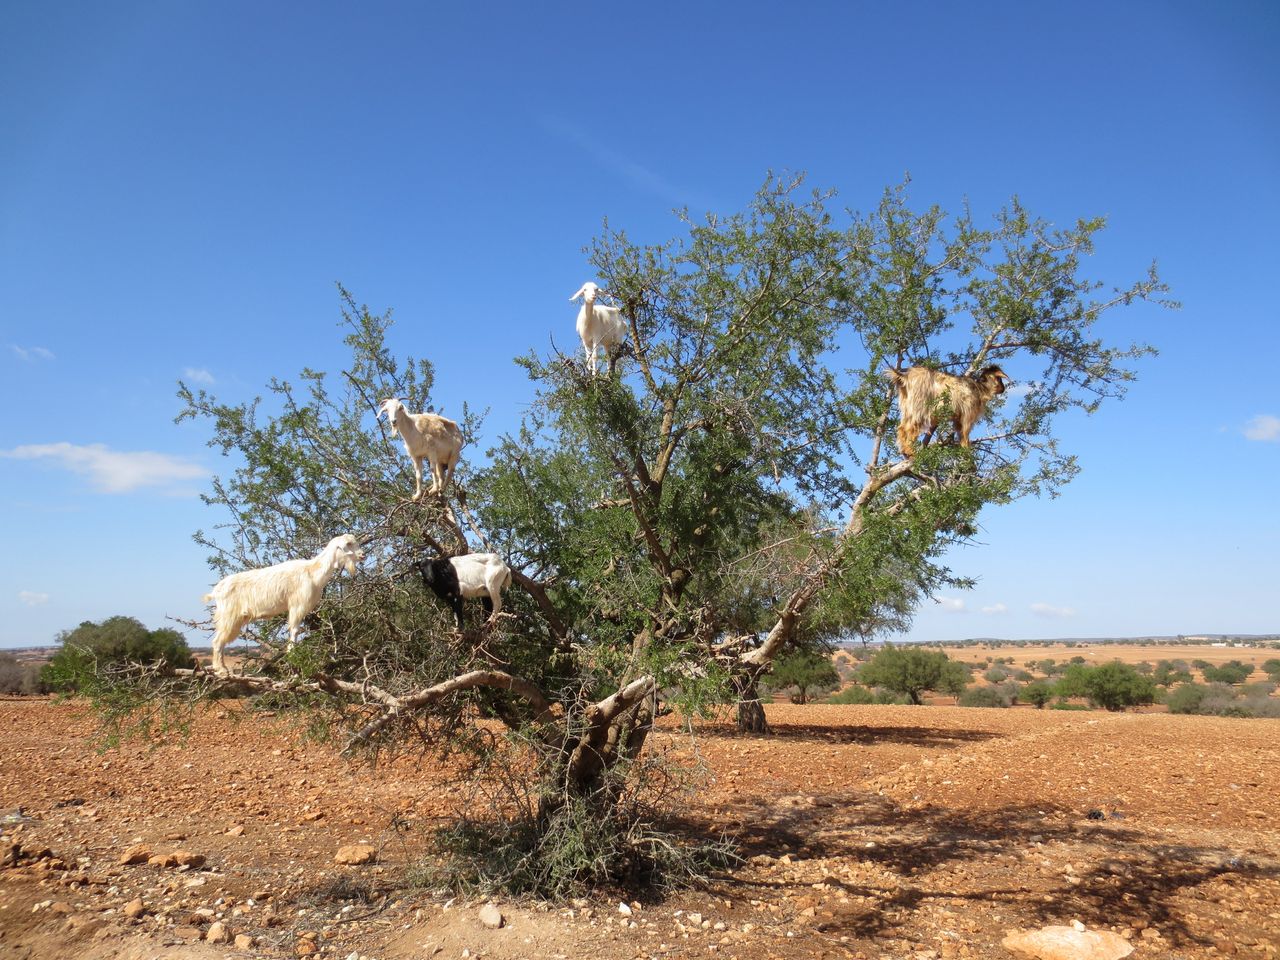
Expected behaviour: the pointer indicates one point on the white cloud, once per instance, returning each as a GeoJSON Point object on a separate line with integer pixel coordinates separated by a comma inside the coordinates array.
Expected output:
{"type": "Point", "coordinates": [951, 604]}
{"type": "Point", "coordinates": [32, 354]}
{"type": "Point", "coordinates": [1019, 390]}
{"type": "Point", "coordinates": [113, 471]}
{"type": "Point", "coordinates": [996, 608]}
{"type": "Point", "coordinates": [1049, 610]}
{"type": "Point", "coordinates": [1263, 427]}
{"type": "Point", "coordinates": [31, 598]}
{"type": "Point", "coordinates": [198, 375]}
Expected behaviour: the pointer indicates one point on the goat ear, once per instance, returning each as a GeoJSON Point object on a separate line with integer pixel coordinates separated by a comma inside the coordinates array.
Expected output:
{"type": "Point", "coordinates": [582, 291]}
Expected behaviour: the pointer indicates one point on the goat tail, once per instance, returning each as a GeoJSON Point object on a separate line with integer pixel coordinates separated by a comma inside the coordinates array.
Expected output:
{"type": "Point", "coordinates": [895, 377]}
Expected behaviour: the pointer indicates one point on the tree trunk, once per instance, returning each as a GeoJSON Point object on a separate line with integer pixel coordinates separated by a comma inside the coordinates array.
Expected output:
{"type": "Point", "coordinates": [751, 718]}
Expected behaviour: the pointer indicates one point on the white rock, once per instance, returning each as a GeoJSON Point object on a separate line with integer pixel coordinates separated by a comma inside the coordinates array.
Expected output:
{"type": "Point", "coordinates": [624, 909]}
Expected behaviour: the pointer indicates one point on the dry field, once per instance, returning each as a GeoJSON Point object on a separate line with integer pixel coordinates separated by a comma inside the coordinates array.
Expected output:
{"type": "Point", "coordinates": [1124, 652]}
{"type": "Point", "coordinates": [870, 832]}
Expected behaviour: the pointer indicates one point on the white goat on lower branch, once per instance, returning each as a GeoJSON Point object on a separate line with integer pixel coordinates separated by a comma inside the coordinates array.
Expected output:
{"type": "Point", "coordinates": [426, 436]}
{"type": "Point", "coordinates": [293, 587]}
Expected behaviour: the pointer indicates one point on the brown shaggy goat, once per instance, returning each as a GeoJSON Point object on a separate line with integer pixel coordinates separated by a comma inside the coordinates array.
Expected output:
{"type": "Point", "coordinates": [921, 389]}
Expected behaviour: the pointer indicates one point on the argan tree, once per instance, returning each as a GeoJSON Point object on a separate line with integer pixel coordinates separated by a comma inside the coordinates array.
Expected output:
{"type": "Point", "coordinates": [676, 527]}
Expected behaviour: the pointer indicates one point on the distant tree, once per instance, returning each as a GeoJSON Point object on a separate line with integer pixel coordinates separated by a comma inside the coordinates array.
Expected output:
{"type": "Point", "coordinates": [805, 670]}
{"type": "Point", "coordinates": [1071, 683]}
{"type": "Point", "coordinates": [1166, 674]}
{"type": "Point", "coordinates": [1232, 672]}
{"type": "Point", "coordinates": [911, 671]}
{"type": "Point", "coordinates": [1116, 685]}
{"type": "Point", "coordinates": [995, 675]}
{"type": "Point", "coordinates": [1201, 664]}
{"type": "Point", "coordinates": [1272, 668]}
{"type": "Point", "coordinates": [17, 677]}
{"type": "Point", "coordinates": [1038, 692]}
{"type": "Point", "coordinates": [87, 650]}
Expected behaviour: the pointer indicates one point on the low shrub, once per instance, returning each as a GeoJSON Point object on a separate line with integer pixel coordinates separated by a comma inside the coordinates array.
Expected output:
{"type": "Point", "coordinates": [853, 695]}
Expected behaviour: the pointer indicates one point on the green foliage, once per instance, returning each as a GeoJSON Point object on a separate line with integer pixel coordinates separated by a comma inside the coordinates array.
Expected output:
{"type": "Point", "coordinates": [1116, 685]}
{"type": "Point", "coordinates": [1167, 673]}
{"type": "Point", "coordinates": [1224, 700]}
{"type": "Point", "coordinates": [804, 670]}
{"type": "Point", "coordinates": [911, 671]}
{"type": "Point", "coordinates": [1038, 692]}
{"type": "Point", "coordinates": [92, 649]}
{"type": "Point", "coordinates": [853, 694]}
{"type": "Point", "coordinates": [996, 675]}
{"type": "Point", "coordinates": [1271, 668]}
{"type": "Point", "coordinates": [1232, 672]}
{"type": "Point", "coordinates": [985, 697]}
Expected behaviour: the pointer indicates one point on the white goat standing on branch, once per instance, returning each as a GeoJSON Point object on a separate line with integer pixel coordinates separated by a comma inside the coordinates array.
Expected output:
{"type": "Point", "coordinates": [293, 587]}
{"type": "Point", "coordinates": [426, 436]}
{"type": "Point", "coordinates": [920, 391]}
{"type": "Point", "coordinates": [599, 326]}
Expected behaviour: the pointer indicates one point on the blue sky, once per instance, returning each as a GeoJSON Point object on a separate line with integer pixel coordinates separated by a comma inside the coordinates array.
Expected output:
{"type": "Point", "coordinates": [181, 184]}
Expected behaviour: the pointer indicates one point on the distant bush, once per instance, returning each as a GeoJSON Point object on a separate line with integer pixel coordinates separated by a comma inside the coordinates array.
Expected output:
{"type": "Point", "coordinates": [19, 678]}
{"type": "Point", "coordinates": [1272, 668]}
{"type": "Point", "coordinates": [90, 647]}
{"type": "Point", "coordinates": [1038, 692]}
{"type": "Point", "coordinates": [853, 695]}
{"type": "Point", "coordinates": [1000, 696]}
{"type": "Point", "coordinates": [1022, 676]}
{"type": "Point", "coordinates": [1223, 700]}
{"type": "Point", "coordinates": [995, 675]}
{"type": "Point", "coordinates": [1233, 671]}
{"type": "Point", "coordinates": [1166, 674]}
{"type": "Point", "coordinates": [1070, 706]}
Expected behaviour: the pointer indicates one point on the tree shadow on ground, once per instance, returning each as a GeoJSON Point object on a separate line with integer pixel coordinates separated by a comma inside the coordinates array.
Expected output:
{"type": "Point", "coordinates": [862, 735]}
{"type": "Point", "coordinates": [923, 853]}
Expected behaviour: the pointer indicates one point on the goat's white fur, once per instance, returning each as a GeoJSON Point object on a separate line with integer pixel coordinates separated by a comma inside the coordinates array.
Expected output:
{"type": "Point", "coordinates": [598, 325]}
{"type": "Point", "coordinates": [426, 436]}
{"type": "Point", "coordinates": [293, 587]}
{"type": "Point", "coordinates": [481, 575]}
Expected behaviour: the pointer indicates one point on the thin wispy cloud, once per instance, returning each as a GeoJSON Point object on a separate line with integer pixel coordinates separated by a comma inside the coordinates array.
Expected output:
{"type": "Point", "coordinates": [115, 471]}
{"type": "Point", "coordinates": [32, 354]}
{"type": "Point", "coordinates": [1263, 427]}
{"type": "Point", "coordinates": [1049, 610]}
{"type": "Point", "coordinates": [31, 598]}
{"type": "Point", "coordinates": [995, 609]}
{"type": "Point", "coordinates": [637, 174]}
{"type": "Point", "coordinates": [1019, 390]}
{"type": "Point", "coordinates": [199, 375]}
{"type": "Point", "coordinates": [951, 604]}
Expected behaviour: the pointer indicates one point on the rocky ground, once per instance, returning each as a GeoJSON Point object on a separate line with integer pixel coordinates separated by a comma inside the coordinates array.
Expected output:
{"type": "Point", "coordinates": [869, 832]}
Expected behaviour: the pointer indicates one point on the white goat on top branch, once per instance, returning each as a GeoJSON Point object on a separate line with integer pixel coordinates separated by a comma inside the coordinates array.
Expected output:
{"type": "Point", "coordinates": [293, 587]}
{"type": "Point", "coordinates": [426, 436]}
{"type": "Point", "coordinates": [599, 326]}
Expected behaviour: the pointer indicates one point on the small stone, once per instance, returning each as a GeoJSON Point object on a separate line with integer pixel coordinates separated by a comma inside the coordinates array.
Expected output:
{"type": "Point", "coordinates": [243, 941]}
{"type": "Point", "coordinates": [491, 916]}
{"type": "Point", "coordinates": [185, 858]}
{"type": "Point", "coordinates": [356, 855]}
{"type": "Point", "coordinates": [313, 816]}
{"type": "Point", "coordinates": [162, 860]}
{"type": "Point", "coordinates": [624, 909]}
{"type": "Point", "coordinates": [134, 908]}
{"type": "Point", "coordinates": [218, 933]}
{"type": "Point", "coordinates": [1077, 926]}
{"type": "Point", "coordinates": [135, 854]}
{"type": "Point", "coordinates": [236, 831]}
{"type": "Point", "coordinates": [695, 919]}
{"type": "Point", "coordinates": [305, 948]}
